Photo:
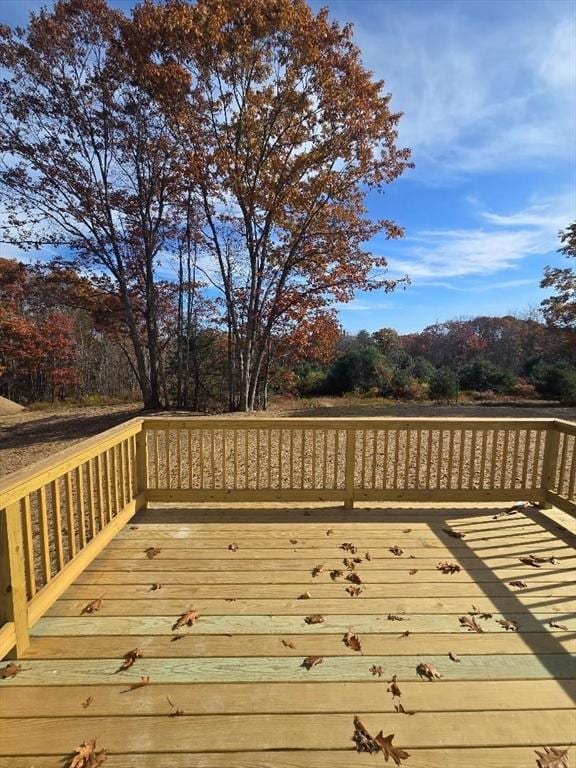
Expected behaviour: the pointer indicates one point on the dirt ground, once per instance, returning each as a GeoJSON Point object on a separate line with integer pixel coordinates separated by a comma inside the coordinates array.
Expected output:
{"type": "Point", "coordinates": [32, 435]}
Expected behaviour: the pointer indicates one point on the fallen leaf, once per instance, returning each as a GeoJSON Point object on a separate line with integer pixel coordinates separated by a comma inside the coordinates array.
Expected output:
{"type": "Point", "coordinates": [129, 659]}
{"type": "Point", "coordinates": [407, 530]}
{"type": "Point", "coordinates": [304, 596]}
{"type": "Point", "coordinates": [395, 617]}
{"type": "Point", "coordinates": [288, 644]}
{"type": "Point", "coordinates": [364, 742]}
{"type": "Point", "coordinates": [405, 634]}
{"type": "Point", "coordinates": [348, 547]}
{"type": "Point", "coordinates": [316, 618]}
{"type": "Point", "coordinates": [230, 599]}
{"type": "Point", "coordinates": [448, 567]}
{"type": "Point", "coordinates": [454, 534]}
{"type": "Point", "coordinates": [293, 541]}
{"type": "Point", "coordinates": [557, 625]}
{"type": "Point", "coordinates": [413, 571]}
{"type": "Point", "coordinates": [143, 682]}
{"type": "Point", "coordinates": [519, 584]}
{"type": "Point", "coordinates": [535, 563]}
{"type": "Point", "coordinates": [133, 527]}
{"type": "Point", "coordinates": [354, 578]}
{"type": "Point", "coordinates": [151, 552]}
{"type": "Point", "coordinates": [453, 657]}
{"type": "Point", "coordinates": [401, 711]}
{"type": "Point", "coordinates": [352, 641]}
{"type": "Point", "coordinates": [396, 753]}
{"type": "Point", "coordinates": [396, 551]}
{"type": "Point", "coordinates": [470, 623]}
{"type": "Point", "coordinates": [330, 531]}
{"type": "Point", "coordinates": [335, 574]}
{"type": "Point", "coordinates": [354, 591]}
{"type": "Point", "coordinates": [427, 670]}
{"type": "Point", "coordinates": [376, 671]}
{"type": "Point", "coordinates": [485, 616]}
{"type": "Point", "coordinates": [154, 587]}
{"type": "Point", "coordinates": [508, 625]}
{"type": "Point", "coordinates": [350, 565]}
{"type": "Point", "coordinates": [312, 661]}
{"type": "Point", "coordinates": [356, 559]}
{"type": "Point", "coordinates": [317, 569]}
{"type": "Point", "coordinates": [175, 711]}
{"type": "Point", "coordinates": [187, 619]}
{"type": "Point", "coordinates": [177, 637]}
{"type": "Point", "coordinates": [10, 670]}
{"type": "Point", "coordinates": [233, 547]}
{"type": "Point", "coordinates": [94, 606]}
{"type": "Point", "coordinates": [394, 688]}
{"type": "Point", "coordinates": [552, 757]}
{"type": "Point", "coordinates": [85, 756]}
{"type": "Point", "coordinates": [368, 557]}
{"type": "Point", "coordinates": [87, 702]}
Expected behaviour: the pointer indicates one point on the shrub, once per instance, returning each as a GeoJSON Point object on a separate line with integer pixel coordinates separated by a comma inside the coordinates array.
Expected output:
{"type": "Point", "coordinates": [481, 375]}
{"type": "Point", "coordinates": [556, 380]}
{"type": "Point", "coordinates": [444, 385]}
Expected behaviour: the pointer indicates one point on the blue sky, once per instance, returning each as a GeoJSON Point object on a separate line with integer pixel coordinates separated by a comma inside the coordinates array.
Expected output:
{"type": "Point", "coordinates": [488, 91]}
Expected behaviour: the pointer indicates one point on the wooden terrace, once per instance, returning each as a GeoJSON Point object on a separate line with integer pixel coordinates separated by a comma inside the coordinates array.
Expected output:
{"type": "Point", "coordinates": [298, 615]}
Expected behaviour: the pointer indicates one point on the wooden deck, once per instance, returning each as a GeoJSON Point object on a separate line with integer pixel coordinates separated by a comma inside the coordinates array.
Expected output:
{"type": "Point", "coordinates": [231, 691]}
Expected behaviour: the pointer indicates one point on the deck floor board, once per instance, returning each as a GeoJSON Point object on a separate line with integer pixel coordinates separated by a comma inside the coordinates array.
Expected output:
{"type": "Point", "coordinates": [237, 673]}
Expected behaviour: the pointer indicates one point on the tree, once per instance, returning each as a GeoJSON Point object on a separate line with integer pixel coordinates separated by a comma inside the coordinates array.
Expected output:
{"type": "Point", "coordinates": [285, 133]}
{"type": "Point", "coordinates": [444, 385]}
{"type": "Point", "coordinates": [560, 308]}
{"type": "Point", "coordinates": [89, 165]}
{"type": "Point", "coordinates": [481, 375]}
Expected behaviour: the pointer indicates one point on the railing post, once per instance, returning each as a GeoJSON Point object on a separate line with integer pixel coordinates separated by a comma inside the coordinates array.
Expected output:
{"type": "Point", "coordinates": [13, 597]}
{"type": "Point", "coordinates": [142, 461]}
{"type": "Point", "coordinates": [549, 463]}
{"type": "Point", "coordinates": [350, 468]}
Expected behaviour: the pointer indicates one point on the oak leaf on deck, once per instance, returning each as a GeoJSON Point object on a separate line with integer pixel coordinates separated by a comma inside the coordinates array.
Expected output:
{"type": "Point", "coordinates": [428, 670]}
{"type": "Point", "coordinates": [352, 641]}
{"type": "Point", "coordinates": [151, 552]}
{"type": "Point", "coordinates": [396, 753]}
{"type": "Point", "coordinates": [130, 659]}
{"type": "Point", "coordinates": [86, 756]}
{"type": "Point", "coordinates": [312, 661]}
{"type": "Point", "coordinates": [470, 623]}
{"type": "Point", "coordinates": [144, 680]}
{"type": "Point", "coordinates": [396, 550]}
{"type": "Point", "coordinates": [10, 670]}
{"type": "Point", "coordinates": [551, 757]}
{"type": "Point", "coordinates": [315, 618]}
{"type": "Point", "coordinates": [186, 619]}
{"type": "Point", "coordinates": [94, 606]}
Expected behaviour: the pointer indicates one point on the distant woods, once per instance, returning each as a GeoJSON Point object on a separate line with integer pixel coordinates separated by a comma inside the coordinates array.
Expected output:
{"type": "Point", "coordinates": [198, 172]}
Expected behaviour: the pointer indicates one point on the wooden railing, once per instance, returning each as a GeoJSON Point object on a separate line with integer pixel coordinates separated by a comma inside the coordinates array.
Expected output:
{"type": "Point", "coordinates": [58, 516]}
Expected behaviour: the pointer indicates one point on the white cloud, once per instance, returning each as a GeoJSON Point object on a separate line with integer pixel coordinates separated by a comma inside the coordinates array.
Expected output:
{"type": "Point", "coordinates": [501, 244]}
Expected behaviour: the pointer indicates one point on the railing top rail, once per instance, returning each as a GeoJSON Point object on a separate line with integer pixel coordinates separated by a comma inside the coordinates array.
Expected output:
{"type": "Point", "coordinates": [388, 422]}
{"type": "Point", "coordinates": [17, 484]}
{"type": "Point", "coordinates": [565, 426]}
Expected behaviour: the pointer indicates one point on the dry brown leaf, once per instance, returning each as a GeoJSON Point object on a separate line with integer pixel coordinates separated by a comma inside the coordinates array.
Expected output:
{"type": "Point", "coordinates": [453, 657]}
{"type": "Point", "coordinates": [364, 742]}
{"type": "Point", "coordinates": [288, 644]}
{"type": "Point", "coordinates": [350, 565]}
{"type": "Point", "coordinates": [177, 637]}
{"type": "Point", "coordinates": [315, 618]}
{"type": "Point", "coordinates": [336, 574]}
{"type": "Point", "coordinates": [354, 591]}
{"type": "Point", "coordinates": [427, 670]}
{"type": "Point", "coordinates": [133, 527]}
{"type": "Point", "coordinates": [470, 623]}
{"type": "Point", "coordinates": [233, 547]}
{"type": "Point", "coordinates": [368, 556]}
{"type": "Point", "coordinates": [552, 757]}
{"type": "Point", "coordinates": [312, 661]}
{"type": "Point", "coordinates": [448, 567]}
{"type": "Point", "coordinates": [10, 670]}
{"type": "Point", "coordinates": [175, 712]}
{"type": "Point", "coordinates": [86, 703]}
{"type": "Point", "coordinates": [348, 547]}
{"type": "Point", "coordinates": [143, 682]}
{"type": "Point", "coordinates": [413, 571]}
{"type": "Point", "coordinates": [304, 596]}
{"type": "Point", "coordinates": [557, 625]}
{"type": "Point", "coordinates": [129, 659]}
{"type": "Point", "coordinates": [394, 688]}
{"type": "Point", "coordinates": [376, 671]}
{"type": "Point", "coordinates": [186, 619]}
{"type": "Point", "coordinates": [330, 531]}
{"type": "Point", "coordinates": [454, 534]}
{"type": "Point", "coordinates": [396, 753]}
{"type": "Point", "coordinates": [85, 756]}
{"type": "Point", "coordinates": [94, 606]}
{"type": "Point", "coordinates": [508, 625]}
{"type": "Point", "coordinates": [395, 617]}
{"type": "Point", "coordinates": [405, 634]}
{"type": "Point", "coordinates": [396, 550]}
{"type": "Point", "coordinates": [317, 569]}
{"type": "Point", "coordinates": [154, 587]}
{"type": "Point", "coordinates": [352, 641]}
{"type": "Point", "coordinates": [354, 578]}
{"type": "Point", "coordinates": [519, 584]}
{"type": "Point", "coordinates": [151, 552]}
{"type": "Point", "coordinates": [401, 711]}
{"type": "Point", "coordinates": [293, 541]}
{"type": "Point", "coordinates": [407, 530]}
{"type": "Point", "coordinates": [531, 560]}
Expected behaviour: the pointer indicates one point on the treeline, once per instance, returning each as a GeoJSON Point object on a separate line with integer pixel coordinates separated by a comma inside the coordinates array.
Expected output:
{"type": "Point", "coordinates": [485, 356]}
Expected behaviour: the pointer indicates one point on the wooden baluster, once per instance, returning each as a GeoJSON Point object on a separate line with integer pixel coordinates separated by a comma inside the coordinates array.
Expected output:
{"type": "Point", "coordinates": [280, 457]}
{"type": "Point", "coordinates": [213, 457]}
{"type": "Point", "coordinates": [450, 484]}
{"type": "Point", "coordinates": [91, 497]}
{"type": "Point", "coordinates": [528, 437]}
{"type": "Point", "coordinates": [375, 433]}
{"type": "Point", "coordinates": [550, 464]}
{"type": "Point", "coordinates": [70, 518]}
{"type": "Point", "coordinates": [303, 460]}
{"type": "Point", "coordinates": [572, 481]}
{"type": "Point", "coordinates": [269, 457]}
{"type": "Point", "coordinates": [396, 459]}
{"type": "Point", "coordinates": [418, 457]}
{"type": "Point", "coordinates": [563, 465]}
{"type": "Point", "coordinates": [114, 478]}
{"type": "Point", "coordinates": [190, 477]}
{"type": "Point", "coordinates": [514, 478]}
{"type": "Point", "coordinates": [258, 452]}
{"type": "Point", "coordinates": [350, 470]}
{"type": "Point", "coordinates": [313, 468]}
{"type": "Point", "coordinates": [336, 456]}
{"type": "Point", "coordinates": [429, 441]}
{"type": "Point", "coordinates": [472, 470]}
{"type": "Point", "coordinates": [483, 458]}
{"type": "Point", "coordinates": [385, 460]}
{"type": "Point", "coordinates": [536, 463]}
{"type": "Point", "coordinates": [246, 459]}
{"type": "Point", "coordinates": [168, 453]}
{"type": "Point", "coordinates": [156, 460]}
{"type": "Point", "coordinates": [108, 486]}
{"type": "Point", "coordinates": [235, 459]}
{"type": "Point", "coordinates": [44, 535]}
{"type": "Point", "coordinates": [461, 455]}
{"type": "Point", "coordinates": [363, 454]}
{"type": "Point", "coordinates": [201, 457]}
{"type": "Point", "coordinates": [224, 460]}
{"type": "Point", "coordinates": [494, 457]}
{"type": "Point", "coordinates": [57, 520]}
{"type": "Point", "coordinates": [291, 458]}
{"type": "Point", "coordinates": [13, 597]}
{"type": "Point", "coordinates": [81, 507]}
{"type": "Point", "coordinates": [503, 478]}
{"type": "Point", "coordinates": [407, 459]}
{"type": "Point", "coordinates": [29, 547]}
{"type": "Point", "coordinates": [440, 458]}
{"type": "Point", "coordinates": [178, 434]}
{"type": "Point", "coordinates": [325, 459]}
